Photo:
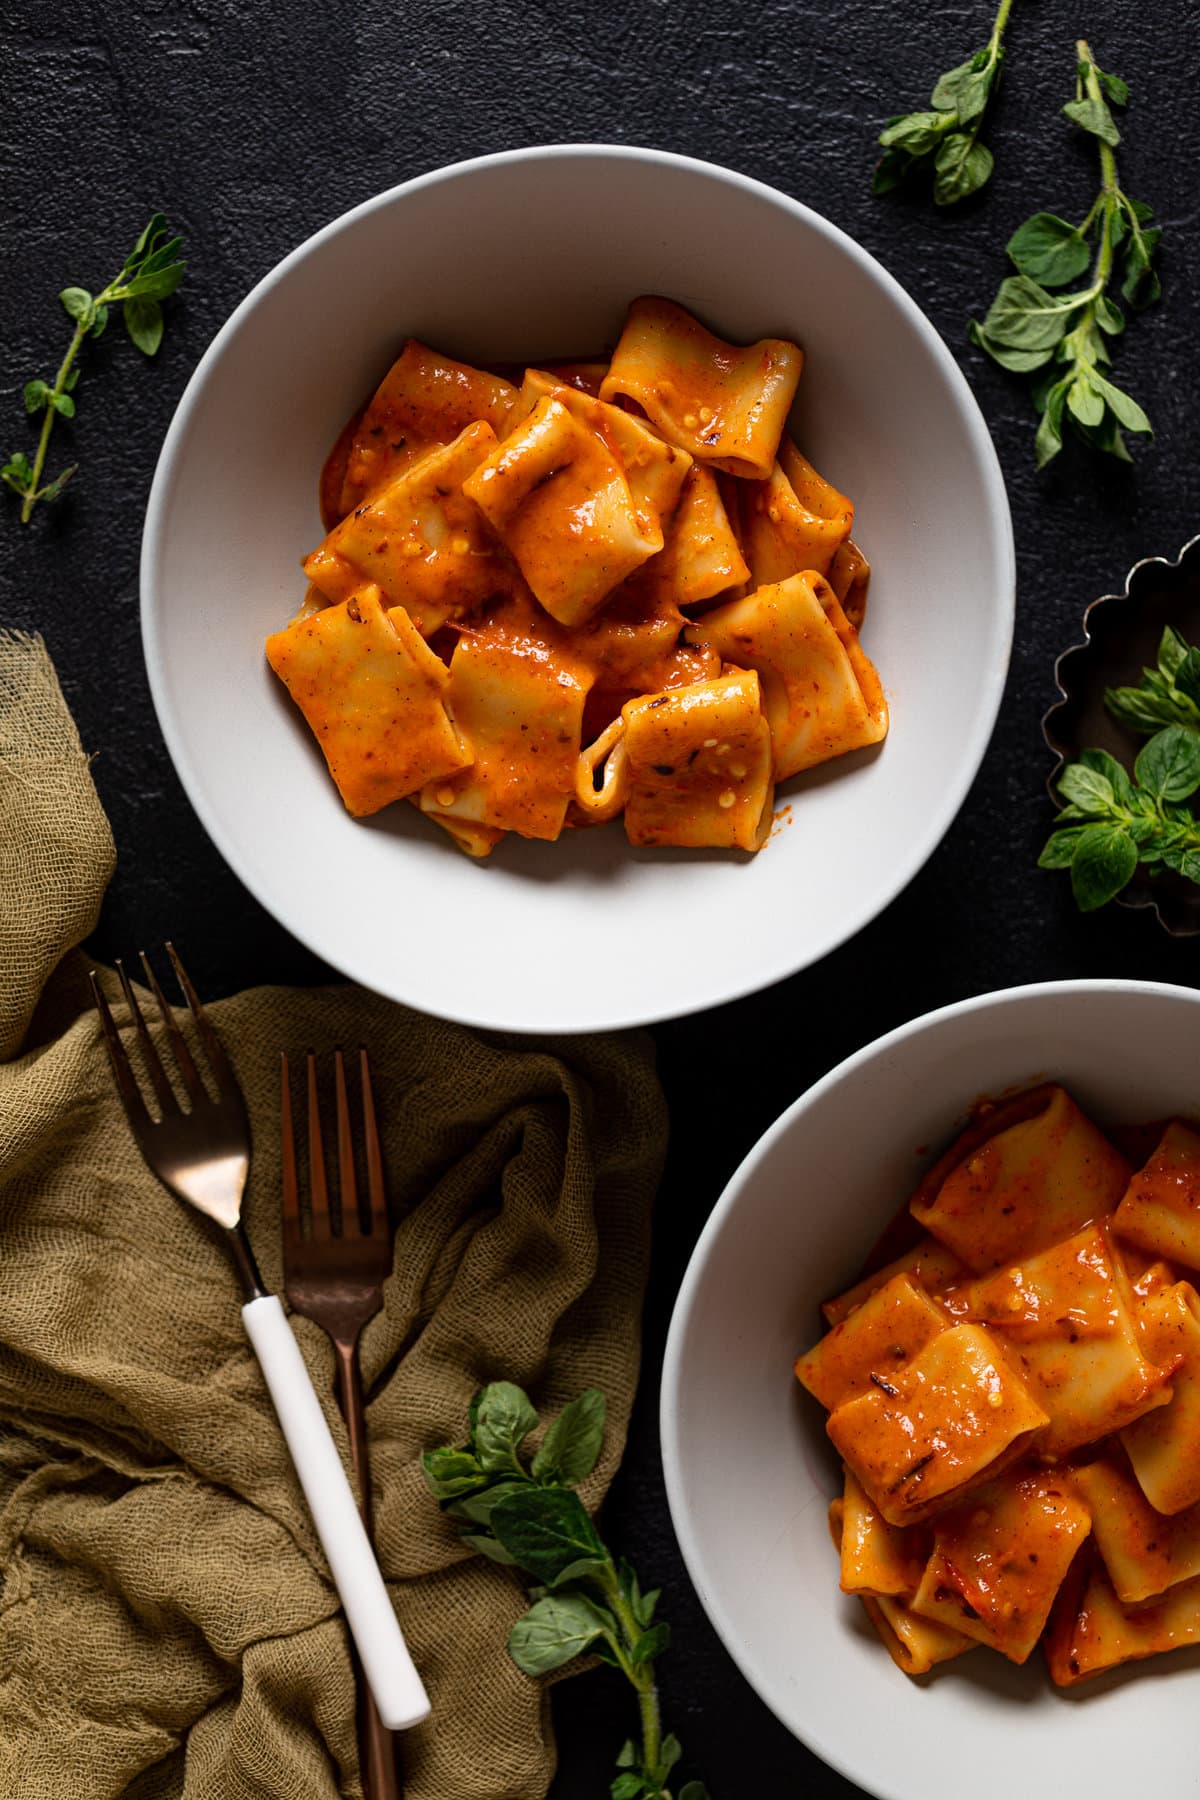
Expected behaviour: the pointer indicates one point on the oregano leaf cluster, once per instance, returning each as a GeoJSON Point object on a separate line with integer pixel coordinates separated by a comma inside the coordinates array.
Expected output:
{"type": "Point", "coordinates": [523, 1511]}
{"type": "Point", "coordinates": [148, 276]}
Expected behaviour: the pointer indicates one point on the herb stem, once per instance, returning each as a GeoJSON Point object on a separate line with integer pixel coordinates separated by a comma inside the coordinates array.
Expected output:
{"type": "Point", "coordinates": [59, 388]}
{"type": "Point", "coordinates": [641, 1675]}
{"type": "Point", "coordinates": [1001, 20]}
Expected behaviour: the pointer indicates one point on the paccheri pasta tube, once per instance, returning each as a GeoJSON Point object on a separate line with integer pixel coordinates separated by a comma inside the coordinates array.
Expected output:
{"type": "Point", "coordinates": [601, 590]}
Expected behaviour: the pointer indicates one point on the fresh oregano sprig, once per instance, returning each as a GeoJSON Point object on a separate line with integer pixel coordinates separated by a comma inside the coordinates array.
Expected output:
{"type": "Point", "coordinates": [524, 1512]}
{"type": "Point", "coordinates": [150, 272]}
{"type": "Point", "coordinates": [945, 139]}
{"type": "Point", "coordinates": [1166, 695]}
{"type": "Point", "coordinates": [1112, 821]}
{"type": "Point", "coordinates": [1067, 335]}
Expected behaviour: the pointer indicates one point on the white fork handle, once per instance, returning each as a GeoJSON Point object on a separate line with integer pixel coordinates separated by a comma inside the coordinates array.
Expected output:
{"type": "Point", "coordinates": [398, 1690]}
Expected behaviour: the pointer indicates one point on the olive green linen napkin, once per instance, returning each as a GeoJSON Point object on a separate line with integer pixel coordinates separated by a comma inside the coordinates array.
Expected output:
{"type": "Point", "coordinates": [167, 1624]}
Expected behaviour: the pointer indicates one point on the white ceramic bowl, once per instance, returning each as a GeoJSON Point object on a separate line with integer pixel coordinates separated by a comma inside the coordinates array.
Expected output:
{"type": "Point", "coordinates": [537, 253]}
{"type": "Point", "coordinates": [750, 1472]}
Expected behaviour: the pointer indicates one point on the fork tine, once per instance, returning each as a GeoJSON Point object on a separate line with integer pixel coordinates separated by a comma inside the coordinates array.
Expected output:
{"type": "Point", "coordinates": [218, 1062]}
{"type": "Point", "coordinates": [317, 1188]}
{"type": "Point", "coordinates": [127, 1087]}
{"type": "Point", "coordinates": [375, 1184]}
{"type": "Point", "coordinates": [347, 1185]}
{"type": "Point", "coordinates": [188, 1072]}
{"type": "Point", "coordinates": [291, 1185]}
{"type": "Point", "coordinates": [158, 1075]}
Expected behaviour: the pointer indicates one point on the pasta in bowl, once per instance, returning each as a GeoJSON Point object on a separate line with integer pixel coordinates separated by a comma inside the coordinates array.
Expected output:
{"type": "Point", "coordinates": [518, 263]}
{"type": "Point", "coordinates": [617, 589]}
{"type": "Point", "coordinates": [1000, 1412]}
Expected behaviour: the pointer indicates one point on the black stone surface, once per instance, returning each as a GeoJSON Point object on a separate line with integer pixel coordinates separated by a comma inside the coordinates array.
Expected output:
{"type": "Point", "coordinates": [253, 124]}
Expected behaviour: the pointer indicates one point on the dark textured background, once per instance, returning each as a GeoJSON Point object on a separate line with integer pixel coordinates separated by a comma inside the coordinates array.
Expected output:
{"type": "Point", "coordinates": [252, 122]}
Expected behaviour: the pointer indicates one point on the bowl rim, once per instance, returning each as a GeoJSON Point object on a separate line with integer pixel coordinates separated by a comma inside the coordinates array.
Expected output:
{"type": "Point", "coordinates": [343, 955]}
{"type": "Point", "coordinates": [670, 1433]}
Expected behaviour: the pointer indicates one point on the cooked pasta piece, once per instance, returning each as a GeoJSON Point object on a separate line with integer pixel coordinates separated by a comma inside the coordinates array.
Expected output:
{"type": "Point", "coordinates": [1066, 1318]}
{"type": "Point", "coordinates": [878, 1337]}
{"type": "Point", "coordinates": [654, 471]}
{"type": "Point", "coordinates": [374, 695]}
{"type": "Point", "coordinates": [521, 713]}
{"type": "Point", "coordinates": [849, 577]}
{"type": "Point", "coordinates": [559, 496]}
{"type": "Point", "coordinates": [586, 376]}
{"type": "Point", "coordinates": [951, 1417]}
{"type": "Point", "coordinates": [878, 1558]}
{"type": "Point", "coordinates": [1030, 1185]}
{"type": "Point", "coordinates": [1144, 1552]}
{"type": "Point", "coordinates": [793, 521]}
{"type": "Point", "coordinates": [726, 406]}
{"type": "Point", "coordinates": [999, 1558]}
{"type": "Point", "coordinates": [699, 765]}
{"type": "Point", "coordinates": [929, 1263]}
{"type": "Point", "coordinates": [1091, 1630]}
{"type": "Point", "coordinates": [474, 840]}
{"type": "Point", "coordinates": [1160, 1210]}
{"type": "Point", "coordinates": [1164, 1446]}
{"type": "Point", "coordinates": [421, 540]}
{"type": "Point", "coordinates": [701, 557]}
{"type": "Point", "coordinates": [821, 694]}
{"type": "Point", "coordinates": [425, 399]}
{"type": "Point", "coordinates": [914, 1645]}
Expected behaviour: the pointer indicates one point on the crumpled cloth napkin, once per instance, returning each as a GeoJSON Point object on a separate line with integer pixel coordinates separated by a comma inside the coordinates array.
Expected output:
{"type": "Point", "coordinates": [167, 1623]}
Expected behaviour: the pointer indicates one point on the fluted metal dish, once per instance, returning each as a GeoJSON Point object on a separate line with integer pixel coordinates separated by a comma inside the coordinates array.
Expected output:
{"type": "Point", "coordinates": [1121, 634]}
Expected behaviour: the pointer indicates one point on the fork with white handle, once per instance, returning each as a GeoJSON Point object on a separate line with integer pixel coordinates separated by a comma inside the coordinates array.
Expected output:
{"type": "Point", "coordinates": [202, 1155]}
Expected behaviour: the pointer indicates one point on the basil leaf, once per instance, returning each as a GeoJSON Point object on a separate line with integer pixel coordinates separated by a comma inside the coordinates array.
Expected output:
{"type": "Point", "coordinates": [1049, 250]}
{"type": "Point", "coordinates": [548, 1531]}
{"type": "Point", "coordinates": [1025, 317]}
{"type": "Point", "coordinates": [1141, 711]}
{"type": "Point", "coordinates": [1104, 860]}
{"type": "Point", "coordinates": [1187, 684]}
{"type": "Point", "coordinates": [1084, 401]}
{"type": "Point", "coordinates": [1124, 406]}
{"type": "Point", "coordinates": [1095, 117]}
{"type": "Point", "coordinates": [477, 1507]}
{"type": "Point", "coordinates": [1087, 788]}
{"type": "Point", "coordinates": [890, 171]}
{"type": "Point", "coordinates": [1116, 89]}
{"type": "Point", "coordinates": [631, 1786]}
{"type": "Point", "coordinates": [1109, 316]}
{"type": "Point", "coordinates": [694, 1790]}
{"type": "Point", "coordinates": [1101, 763]}
{"type": "Point", "coordinates": [504, 1420]}
{"type": "Point", "coordinates": [915, 132]}
{"type": "Point", "coordinates": [450, 1473]}
{"type": "Point", "coordinates": [77, 303]}
{"type": "Point", "coordinates": [1169, 765]}
{"type": "Point", "coordinates": [556, 1630]}
{"type": "Point", "coordinates": [1172, 648]}
{"type": "Point", "coordinates": [963, 87]}
{"type": "Point", "coordinates": [1021, 362]}
{"type": "Point", "coordinates": [571, 1448]}
{"type": "Point", "coordinates": [144, 323]}
{"type": "Point", "coordinates": [1184, 862]}
{"type": "Point", "coordinates": [36, 395]}
{"type": "Point", "coordinates": [961, 167]}
{"type": "Point", "coordinates": [1059, 849]}
{"type": "Point", "coordinates": [492, 1549]}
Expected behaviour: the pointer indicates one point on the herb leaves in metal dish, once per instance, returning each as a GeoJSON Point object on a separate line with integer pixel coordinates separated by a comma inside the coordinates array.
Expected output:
{"type": "Point", "coordinates": [1124, 635]}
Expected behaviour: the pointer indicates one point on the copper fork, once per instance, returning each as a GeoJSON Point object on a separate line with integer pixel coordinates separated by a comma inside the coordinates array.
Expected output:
{"type": "Point", "coordinates": [201, 1153]}
{"type": "Point", "coordinates": [334, 1275]}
